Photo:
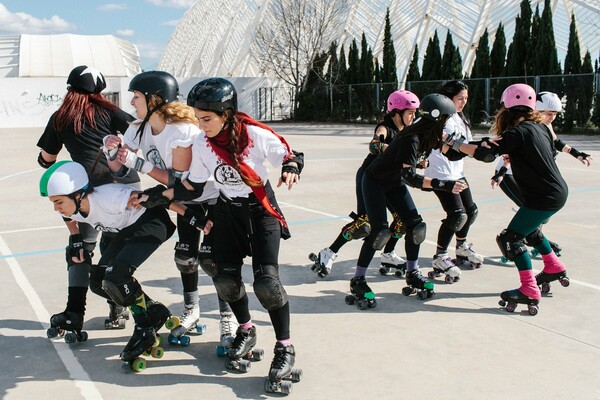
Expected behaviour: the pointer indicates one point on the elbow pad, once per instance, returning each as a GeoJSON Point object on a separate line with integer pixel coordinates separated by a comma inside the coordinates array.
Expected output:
{"type": "Point", "coordinates": [454, 155]}
{"type": "Point", "coordinates": [485, 155]}
{"type": "Point", "coordinates": [182, 193]}
{"type": "Point", "coordinates": [43, 163]}
{"type": "Point", "coordinates": [559, 144]}
{"type": "Point", "coordinates": [411, 178]}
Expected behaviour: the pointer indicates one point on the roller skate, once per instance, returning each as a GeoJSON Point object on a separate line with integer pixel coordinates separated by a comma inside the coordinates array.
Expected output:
{"type": "Point", "coordinates": [392, 260]}
{"type": "Point", "coordinates": [67, 324]}
{"type": "Point", "coordinates": [228, 326]}
{"type": "Point", "coordinates": [242, 350]}
{"type": "Point", "coordinates": [180, 326]}
{"type": "Point", "coordinates": [442, 264]}
{"type": "Point", "coordinates": [511, 298]}
{"type": "Point", "coordinates": [543, 280]}
{"type": "Point", "coordinates": [362, 294]}
{"type": "Point", "coordinates": [117, 316]}
{"type": "Point", "coordinates": [323, 262]}
{"type": "Point", "coordinates": [418, 284]}
{"type": "Point", "coordinates": [467, 257]}
{"type": "Point", "coordinates": [158, 313]}
{"type": "Point", "coordinates": [282, 372]}
{"type": "Point", "coordinates": [144, 341]}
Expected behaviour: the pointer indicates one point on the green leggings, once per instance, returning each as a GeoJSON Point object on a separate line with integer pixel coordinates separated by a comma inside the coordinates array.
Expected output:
{"type": "Point", "coordinates": [525, 222]}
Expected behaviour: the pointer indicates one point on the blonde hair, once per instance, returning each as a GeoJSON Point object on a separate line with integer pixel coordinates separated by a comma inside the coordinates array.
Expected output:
{"type": "Point", "coordinates": [507, 119]}
{"type": "Point", "coordinates": [173, 112]}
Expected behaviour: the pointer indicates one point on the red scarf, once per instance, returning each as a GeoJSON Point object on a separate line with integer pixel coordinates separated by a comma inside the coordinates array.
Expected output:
{"type": "Point", "coordinates": [220, 145]}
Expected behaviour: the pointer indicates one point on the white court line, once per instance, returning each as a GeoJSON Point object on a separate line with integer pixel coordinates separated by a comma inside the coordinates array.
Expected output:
{"type": "Point", "coordinates": [76, 372]}
{"type": "Point", "coordinates": [34, 229]}
{"type": "Point", "coordinates": [580, 283]}
{"type": "Point", "coordinates": [18, 173]}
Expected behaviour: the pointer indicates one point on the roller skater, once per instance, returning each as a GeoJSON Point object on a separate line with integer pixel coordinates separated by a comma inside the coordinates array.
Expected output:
{"type": "Point", "coordinates": [68, 324]}
{"type": "Point", "coordinates": [466, 256]}
{"type": "Point", "coordinates": [117, 316]}
{"type": "Point", "coordinates": [180, 326]}
{"type": "Point", "coordinates": [282, 372]}
{"type": "Point", "coordinates": [323, 262]}
{"type": "Point", "coordinates": [362, 294]}
{"type": "Point", "coordinates": [418, 284]}
{"type": "Point", "coordinates": [554, 270]}
{"type": "Point", "coordinates": [442, 264]}
{"type": "Point", "coordinates": [242, 350]}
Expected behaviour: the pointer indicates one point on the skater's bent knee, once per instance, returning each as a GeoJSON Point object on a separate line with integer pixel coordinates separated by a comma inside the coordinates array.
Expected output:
{"type": "Point", "coordinates": [229, 288]}
{"type": "Point", "coordinates": [270, 292]}
{"type": "Point", "coordinates": [456, 220]}
{"type": "Point", "coordinates": [416, 230]}
{"type": "Point", "coordinates": [511, 244]}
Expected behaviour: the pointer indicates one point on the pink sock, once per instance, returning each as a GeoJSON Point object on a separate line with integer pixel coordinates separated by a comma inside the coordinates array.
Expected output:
{"type": "Point", "coordinates": [528, 285]}
{"type": "Point", "coordinates": [552, 264]}
{"type": "Point", "coordinates": [285, 342]}
{"type": "Point", "coordinates": [246, 325]}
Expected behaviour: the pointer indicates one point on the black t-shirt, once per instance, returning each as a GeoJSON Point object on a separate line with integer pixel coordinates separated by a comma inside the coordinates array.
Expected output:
{"type": "Point", "coordinates": [531, 151]}
{"type": "Point", "coordinates": [84, 147]}
{"type": "Point", "coordinates": [392, 132]}
{"type": "Point", "coordinates": [387, 167]}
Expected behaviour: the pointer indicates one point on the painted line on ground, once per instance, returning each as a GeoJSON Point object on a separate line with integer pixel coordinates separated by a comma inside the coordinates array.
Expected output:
{"type": "Point", "coordinates": [76, 372]}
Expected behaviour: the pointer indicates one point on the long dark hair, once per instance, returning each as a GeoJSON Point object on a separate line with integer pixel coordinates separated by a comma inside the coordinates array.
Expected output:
{"type": "Point", "coordinates": [80, 109]}
{"type": "Point", "coordinates": [451, 89]}
{"type": "Point", "coordinates": [233, 127]}
{"type": "Point", "coordinates": [429, 133]}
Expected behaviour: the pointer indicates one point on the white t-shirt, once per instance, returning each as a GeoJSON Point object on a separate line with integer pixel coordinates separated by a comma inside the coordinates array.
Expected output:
{"type": "Point", "coordinates": [439, 166]}
{"type": "Point", "coordinates": [263, 146]}
{"type": "Point", "coordinates": [158, 149]}
{"type": "Point", "coordinates": [108, 208]}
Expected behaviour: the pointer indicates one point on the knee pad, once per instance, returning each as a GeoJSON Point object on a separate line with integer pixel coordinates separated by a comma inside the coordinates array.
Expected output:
{"type": "Point", "coordinates": [472, 213]}
{"type": "Point", "coordinates": [511, 244]}
{"type": "Point", "coordinates": [209, 266]}
{"type": "Point", "coordinates": [96, 276]}
{"type": "Point", "coordinates": [534, 238]}
{"type": "Point", "coordinates": [123, 293]}
{"type": "Point", "coordinates": [398, 229]}
{"type": "Point", "coordinates": [79, 274]}
{"type": "Point", "coordinates": [379, 238]}
{"type": "Point", "coordinates": [456, 220]}
{"type": "Point", "coordinates": [229, 287]}
{"type": "Point", "coordinates": [357, 229]}
{"type": "Point", "coordinates": [186, 259]}
{"type": "Point", "coordinates": [416, 230]}
{"type": "Point", "coordinates": [268, 288]}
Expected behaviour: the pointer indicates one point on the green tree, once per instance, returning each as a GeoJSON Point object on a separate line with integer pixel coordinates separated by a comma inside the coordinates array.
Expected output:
{"type": "Point", "coordinates": [572, 67]}
{"type": "Point", "coordinates": [481, 69]}
{"type": "Point", "coordinates": [451, 60]}
{"type": "Point", "coordinates": [596, 113]}
{"type": "Point", "coordinates": [413, 74]}
{"type": "Point", "coordinates": [366, 69]}
{"type": "Point", "coordinates": [432, 61]}
{"type": "Point", "coordinates": [545, 54]}
{"type": "Point", "coordinates": [534, 38]}
{"type": "Point", "coordinates": [388, 62]}
{"type": "Point", "coordinates": [516, 63]}
{"type": "Point", "coordinates": [353, 63]}
{"type": "Point", "coordinates": [497, 66]}
{"type": "Point", "coordinates": [586, 94]}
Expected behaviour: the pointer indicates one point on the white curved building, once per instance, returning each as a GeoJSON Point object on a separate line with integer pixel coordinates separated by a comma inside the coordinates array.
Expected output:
{"type": "Point", "coordinates": [214, 38]}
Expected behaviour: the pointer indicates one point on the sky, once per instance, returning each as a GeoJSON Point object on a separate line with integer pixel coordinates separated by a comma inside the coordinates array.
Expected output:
{"type": "Point", "coordinates": [146, 23]}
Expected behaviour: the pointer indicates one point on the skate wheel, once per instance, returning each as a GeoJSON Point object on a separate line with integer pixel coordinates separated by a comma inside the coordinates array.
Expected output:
{"type": "Point", "coordinates": [350, 300]}
{"type": "Point", "coordinates": [545, 288]}
{"type": "Point", "coordinates": [258, 354]}
{"type": "Point", "coordinates": [201, 328]}
{"type": "Point", "coordinates": [122, 322]}
{"type": "Point", "coordinates": [285, 387]}
{"type": "Point", "coordinates": [565, 282]}
{"type": "Point", "coordinates": [312, 257]}
{"type": "Point", "coordinates": [511, 307]}
{"type": "Point", "coordinates": [383, 271]}
{"type": "Point", "coordinates": [430, 293]}
{"type": "Point", "coordinates": [431, 274]}
{"type": "Point", "coordinates": [221, 351]}
{"type": "Point", "coordinates": [83, 336]}
{"type": "Point", "coordinates": [503, 259]}
{"type": "Point", "coordinates": [70, 337]}
{"type": "Point", "coordinates": [421, 295]}
{"type": "Point", "coordinates": [172, 339]}
{"type": "Point", "coordinates": [138, 365]}
{"type": "Point", "coordinates": [407, 291]}
{"type": "Point", "coordinates": [52, 333]}
{"type": "Point", "coordinates": [172, 323]}
{"type": "Point", "coordinates": [296, 375]}
{"type": "Point", "coordinates": [448, 279]}
{"type": "Point", "coordinates": [184, 341]}
{"type": "Point", "coordinates": [400, 273]}
{"type": "Point", "coordinates": [157, 352]}
{"type": "Point", "coordinates": [361, 304]}
{"type": "Point", "coordinates": [372, 303]}
{"type": "Point", "coordinates": [533, 310]}
{"type": "Point", "coordinates": [502, 303]}
{"type": "Point", "coordinates": [244, 365]}
{"type": "Point", "coordinates": [107, 324]}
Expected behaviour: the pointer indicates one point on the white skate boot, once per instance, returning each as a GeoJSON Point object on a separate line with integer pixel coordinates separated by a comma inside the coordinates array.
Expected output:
{"type": "Point", "coordinates": [228, 325]}
{"type": "Point", "coordinates": [180, 326]}
{"type": "Point", "coordinates": [392, 260]}
{"type": "Point", "coordinates": [323, 262]}
{"type": "Point", "coordinates": [466, 256]}
{"type": "Point", "coordinates": [442, 264]}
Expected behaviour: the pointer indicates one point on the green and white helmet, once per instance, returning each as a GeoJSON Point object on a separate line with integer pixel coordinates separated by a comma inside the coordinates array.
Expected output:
{"type": "Point", "coordinates": [64, 178]}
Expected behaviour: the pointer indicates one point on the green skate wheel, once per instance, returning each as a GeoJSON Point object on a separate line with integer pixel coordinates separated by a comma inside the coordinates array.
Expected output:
{"type": "Point", "coordinates": [172, 323]}
{"type": "Point", "coordinates": [157, 352]}
{"type": "Point", "coordinates": [138, 365]}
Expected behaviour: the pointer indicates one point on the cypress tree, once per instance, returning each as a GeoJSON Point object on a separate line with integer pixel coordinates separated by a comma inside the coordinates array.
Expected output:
{"type": "Point", "coordinates": [432, 60]}
{"type": "Point", "coordinates": [596, 114]}
{"type": "Point", "coordinates": [388, 63]}
{"type": "Point", "coordinates": [343, 66]}
{"type": "Point", "coordinates": [534, 39]}
{"type": "Point", "coordinates": [498, 53]}
{"type": "Point", "coordinates": [353, 63]}
{"type": "Point", "coordinates": [516, 64]}
{"type": "Point", "coordinates": [481, 69]}
{"type": "Point", "coordinates": [546, 56]}
{"type": "Point", "coordinates": [366, 62]}
{"type": "Point", "coordinates": [447, 57]}
{"type": "Point", "coordinates": [413, 74]}
{"type": "Point", "coordinates": [586, 96]}
{"type": "Point", "coordinates": [572, 66]}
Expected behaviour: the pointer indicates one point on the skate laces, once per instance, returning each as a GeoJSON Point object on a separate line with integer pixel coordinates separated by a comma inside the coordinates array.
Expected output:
{"type": "Point", "coordinates": [280, 359]}
{"type": "Point", "coordinates": [227, 325]}
{"type": "Point", "coordinates": [240, 338]}
{"type": "Point", "coordinates": [447, 260]}
{"type": "Point", "coordinates": [190, 314]}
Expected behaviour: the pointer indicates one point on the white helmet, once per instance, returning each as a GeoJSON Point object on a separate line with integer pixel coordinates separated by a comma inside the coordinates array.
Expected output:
{"type": "Point", "coordinates": [548, 101]}
{"type": "Point", "coordinates": [63, 178]}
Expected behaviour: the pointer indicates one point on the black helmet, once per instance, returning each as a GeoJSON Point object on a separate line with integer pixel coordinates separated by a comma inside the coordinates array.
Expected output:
{"type": "Point", "coordinates": [88, 80]}
{"type": "Point", "coordinates": [159, 83]}
{"type": "Point", "coordinates": [213, 94]}
{"type": "Point", "coordinates": [434, 106]}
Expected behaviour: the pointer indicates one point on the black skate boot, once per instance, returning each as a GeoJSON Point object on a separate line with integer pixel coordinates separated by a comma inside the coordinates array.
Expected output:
{"type": "Point", "coordinates": [510, 299]}
{"type": "Point", "coordinates": [69, 325]}
{"type": "Point", "coordinates": [143, 340]}
{"type": "Point", "coordinates": [418, 284]}
{"type": "Point", "coordinates": [117, 316]}
{"type": "Point", "coordinates": [362, 294]}
{"type": "Point", "coordinates": [543, 280]}
{"type": "Point", "coordinates": [242, 350]}
{"type": "Point", "coordinates": [282, 373]}
{"type": "Point", "coordinates": [158, 313]}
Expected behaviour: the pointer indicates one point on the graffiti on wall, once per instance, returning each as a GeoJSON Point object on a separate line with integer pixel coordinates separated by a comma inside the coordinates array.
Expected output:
{"type": "Point", "coordinates": [29, 105]}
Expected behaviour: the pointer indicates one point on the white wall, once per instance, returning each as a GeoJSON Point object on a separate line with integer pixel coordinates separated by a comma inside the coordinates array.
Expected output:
{"type": "Point", "coordinates": [29, 102]}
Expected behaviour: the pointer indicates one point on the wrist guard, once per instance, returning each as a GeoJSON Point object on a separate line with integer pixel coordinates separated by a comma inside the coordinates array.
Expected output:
{"type": "Point", "coordinates": [501, 172]}
{"type": "Point", "coordinates": [442, 185]}
{"type": "Point", "coordinates": [297, 158]}
{"type": "Point", "coordinates": [43, 163]}
{"type": "Point", "coordinates": [576, 153]}
{"type": "Point", "coordinates": [195, 220]}
{"type": "Point", "coordinates": [155, 197]}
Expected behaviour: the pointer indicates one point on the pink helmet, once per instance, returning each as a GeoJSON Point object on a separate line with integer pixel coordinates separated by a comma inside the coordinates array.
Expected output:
{"type": "Point", "coordinates": [519, 95]}
{"type": "Point", "coordinates": [401, 100]}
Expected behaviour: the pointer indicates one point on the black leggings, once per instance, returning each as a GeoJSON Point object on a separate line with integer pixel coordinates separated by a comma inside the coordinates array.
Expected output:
{"type": "Point", "coordinates": [451, 203]}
